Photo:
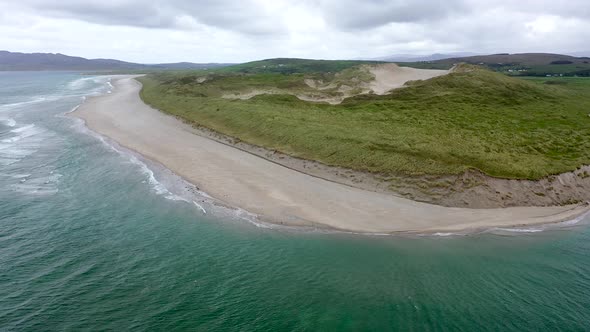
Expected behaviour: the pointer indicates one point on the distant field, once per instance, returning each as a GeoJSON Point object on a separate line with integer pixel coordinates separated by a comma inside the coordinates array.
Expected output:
{"type": "Point", "coordinates": [569, 70]}
{"type": "Point", "coordinates": [505, 127]}
{"type": "Point", "coordinates": [581, 84]}
{"type": "Point", "coordinates": [426, 65]}
{"type": "Point", "coordinates": [528, 64]}
{"type": "Point", "coordinates": [291, 66]}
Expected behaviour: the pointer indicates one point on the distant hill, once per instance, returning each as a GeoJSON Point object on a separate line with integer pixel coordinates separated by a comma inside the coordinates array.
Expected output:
{"type": "Point", "coordinates": [525, 59]}
{"type": "Point", "coordinates": [522, 64]}
{"type": "Point", "coordinates": [579, 54]}
{"type": "Point", "coordinates": [13, 61]}
{"type": "Point", "coordinates": [470, 119]}
{"type": "Point", "coordinates": [293, 65]}
{"type": "Point", "coordinates": [416, 58]}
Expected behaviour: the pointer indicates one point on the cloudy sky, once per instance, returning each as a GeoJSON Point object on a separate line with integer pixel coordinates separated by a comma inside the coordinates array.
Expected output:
{"type": "Point", "coordinates": [153, 31]}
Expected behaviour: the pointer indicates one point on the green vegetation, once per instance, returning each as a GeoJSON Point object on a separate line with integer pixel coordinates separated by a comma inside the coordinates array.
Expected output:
{"type": "Point", "coordinates": [317, 86]}
{"type": "Point", "coordinates": [528, 64]}
{"type": "Point", "coordinates": [427, 65]}
{"type": "Point", "coordinates": [473, 118]}
{"type": "Point", "coordinates": [290, 66]}
{"type": "Point", "coordinates": [578, 84]}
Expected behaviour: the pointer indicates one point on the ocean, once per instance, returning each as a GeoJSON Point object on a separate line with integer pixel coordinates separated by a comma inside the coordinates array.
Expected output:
{"type": "Point", "coordinates": [94, 237]}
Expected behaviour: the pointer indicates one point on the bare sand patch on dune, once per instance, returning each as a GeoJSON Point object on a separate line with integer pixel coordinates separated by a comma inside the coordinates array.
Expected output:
{"type": "Point", "coordinates": [390, 76]}
{"type": "Point", "coordinates": [276, 193]}
{"type": "Point", "coordinates": [386, 77]}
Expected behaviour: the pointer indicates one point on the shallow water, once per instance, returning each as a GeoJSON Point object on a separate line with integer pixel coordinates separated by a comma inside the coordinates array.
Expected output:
{"type": "Point", "coordinates": [94, 237]}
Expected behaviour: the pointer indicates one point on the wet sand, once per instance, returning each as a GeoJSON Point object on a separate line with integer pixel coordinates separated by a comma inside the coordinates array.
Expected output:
{"type": "Point", "coordinates": [279, 194]}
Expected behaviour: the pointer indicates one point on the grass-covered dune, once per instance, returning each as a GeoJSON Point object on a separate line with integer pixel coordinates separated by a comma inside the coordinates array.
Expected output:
{"type": "Point", "coordinates": [470, 119]}
{"type": "Point", "coordinates": [291, 66]}
{"type": "Point", "coordinates": [525, 64]}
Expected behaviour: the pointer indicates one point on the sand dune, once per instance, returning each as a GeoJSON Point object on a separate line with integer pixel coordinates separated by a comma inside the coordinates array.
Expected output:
{"type": "Point", "coordinates": [387, 77]}
{"type": "Point", "coordinates": [390, 76]}
{"type": "Point", "coordinates": [278, 194]}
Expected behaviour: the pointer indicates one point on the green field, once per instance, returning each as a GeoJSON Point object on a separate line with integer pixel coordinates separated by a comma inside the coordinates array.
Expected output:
{"type": "Point", "coordinates": [292, 66]}
{"type": "Point", "coordinates": [526, 64]}
{"type": "Point", "coordinates": [506, 127]}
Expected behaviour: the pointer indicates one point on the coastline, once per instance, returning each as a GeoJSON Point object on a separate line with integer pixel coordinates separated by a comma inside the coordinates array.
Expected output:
{"type": "Point", "coordinates": [278, 194]}
{"type": "Point", "coordinates": [472, 189]}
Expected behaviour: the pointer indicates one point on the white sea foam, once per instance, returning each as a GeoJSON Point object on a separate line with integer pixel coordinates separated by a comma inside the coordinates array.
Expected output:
{"type": "Point", "coordinates": [90, 86]}
{"type": "Point", "coordinates": [159, 188]}
{"type": "Point", "coordinates": [23, 128]}
{"type": "Point", "coordinates": [43, 185]}
{"type": "Point", "coordinates": [34, 189]}
{"type": "Point", "coordinates": [9, 122]}
{"type": "Point", "coordinates": [443, 234]}
{"type": "Point", "coordinates": [18, 104]}
{"type": "Point", "coordinates": [175, 184]}
{"type": "Point", "coordinates": [15, 176]}
{"type": "Point", "coordinates": [20, 176]}
{"type": "Point", "coordinates": [179, 183]}
{"type": "Point", "coordinates": [200, 207]}
{"type": "Point", "coordinates": [250, 217]}
{"type": "Point", "coordinates": [74, 108]}
{"type": "Point", "coordinates": [81, 83]}
{"type": "Point", "coordinates": [575, 220]}
{"type": "Point", "coordinates": [519, 230]}
{"type": "Point", "coordinates": [173, 197]}
{"type": "Point", "coordinates": [571, 222]}
{"type": "Point", "coordinates": [25, 141]}
{"type": "Point", "coordinates": [553, 226]}
{"type": "Point", "coordinates": [15, 152]}
{"type": "Point", "coordinates": [23, 132]}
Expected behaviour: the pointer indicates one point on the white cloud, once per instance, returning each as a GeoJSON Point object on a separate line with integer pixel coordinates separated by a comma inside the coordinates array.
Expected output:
{"type": "Point", "coordinates": [234, 31]}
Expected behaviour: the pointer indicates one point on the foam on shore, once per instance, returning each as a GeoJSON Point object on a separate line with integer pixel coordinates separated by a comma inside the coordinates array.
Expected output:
{"type": "Point", "coordinates": [280, 195]}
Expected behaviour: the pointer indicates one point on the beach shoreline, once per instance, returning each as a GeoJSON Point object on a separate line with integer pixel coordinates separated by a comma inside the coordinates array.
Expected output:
{"type": "Point", "coordinates": [278, 194]}
{"type": "Point", "coordinates": [471, 189]}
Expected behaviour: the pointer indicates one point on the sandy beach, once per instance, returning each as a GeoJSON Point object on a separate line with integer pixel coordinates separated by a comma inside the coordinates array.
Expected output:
{"type": "Point", "coordinates": [278, 194]}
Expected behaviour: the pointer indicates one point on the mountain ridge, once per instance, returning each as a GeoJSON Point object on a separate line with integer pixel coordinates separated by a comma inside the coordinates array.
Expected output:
{"type": "Point", "coordinates": [17, 61]}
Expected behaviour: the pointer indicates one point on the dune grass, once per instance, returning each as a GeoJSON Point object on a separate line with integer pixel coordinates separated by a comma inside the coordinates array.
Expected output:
{"type": "Point", "coordinates": [529, 64]}
{"type": "Point", "coordinates": [503, 126]}
{"type": "Point", "coordinates": [292, 66]}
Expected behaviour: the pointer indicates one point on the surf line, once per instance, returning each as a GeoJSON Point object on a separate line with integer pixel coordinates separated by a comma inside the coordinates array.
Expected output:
{"type": "Point", "coordinates": [200, 207]}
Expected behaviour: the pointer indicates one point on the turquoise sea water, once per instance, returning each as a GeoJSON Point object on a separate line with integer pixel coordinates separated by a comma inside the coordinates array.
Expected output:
{"type": "Point", "coordinates": [93, 237]}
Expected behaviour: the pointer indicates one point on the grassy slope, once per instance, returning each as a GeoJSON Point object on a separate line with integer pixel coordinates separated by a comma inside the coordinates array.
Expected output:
{"type": "Point", "coordinates": [221, 83]}
{"type": "Point", "coordinates": [503, 126]}
{"type": "Point", "coordinates": [527, 64]}
{"type": "Point", "coordinates": [291, 66]}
